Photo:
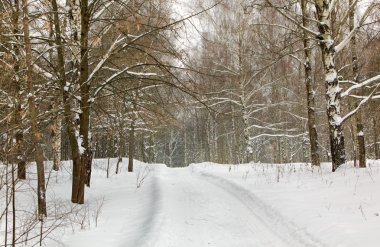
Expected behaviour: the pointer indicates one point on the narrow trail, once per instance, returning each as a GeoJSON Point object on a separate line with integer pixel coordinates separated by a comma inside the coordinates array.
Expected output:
{"type": "Point", "coordinates": [202, 210]}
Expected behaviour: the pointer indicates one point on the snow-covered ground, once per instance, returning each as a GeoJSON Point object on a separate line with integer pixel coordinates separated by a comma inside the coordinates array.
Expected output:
{"type": "Point", "coordinates": [219, 205]}
{"type": "Point", "coordinates": [336, 209]}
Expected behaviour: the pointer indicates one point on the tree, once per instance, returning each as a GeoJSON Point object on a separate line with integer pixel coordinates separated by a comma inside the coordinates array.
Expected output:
{"type": "Point", "coordinates": [37, 135]}
{"type": "Point", "coordinates": [355, 79]}
{"type": "Point", "coordinates": [68, 116]}
{"type": "Point", "coordinates": [313, 136]}
{"type": "Point", "coordinates": [326, 18]}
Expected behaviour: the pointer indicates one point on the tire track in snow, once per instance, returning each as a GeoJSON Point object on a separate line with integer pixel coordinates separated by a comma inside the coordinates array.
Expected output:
{"type": "Point", "coordinates": [284, 229]}
{"type": "Point", "coordinates": [149, 228]}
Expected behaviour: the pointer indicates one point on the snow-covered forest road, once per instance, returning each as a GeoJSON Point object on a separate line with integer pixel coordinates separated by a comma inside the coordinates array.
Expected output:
{"type": "Point", "coordinates": [202, 210]}
{"type": "Point", "coordinates": [222, 206]}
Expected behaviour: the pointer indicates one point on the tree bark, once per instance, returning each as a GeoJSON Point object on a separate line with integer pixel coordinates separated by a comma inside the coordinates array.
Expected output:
{"type": "Point", "coordinates": [234, 140]}
{"type": "Point", "coordinates": [68, 116]}
{"type": "Point", "coordinates": [376, 137]}
{"type": "Point", "coordinates": [152, 149]}
{"type": "Point", "coordinates": [56, 124]}
{"type": "Point", "coordinates": [36, 133]}
{"type": "Point", "coordinates": [131, 147]}
{"type": "Point", "coordinates": [353, 138]}
{"type": "Point", "coordinates": [56, 136]}
{"type": "Point", "coordinates": [355, 71]}
{"type": "Point", "coordinates": [84, 85]}
{"type": "Point", "coordinates": [13, 207]}
{"type": "Point", "coordinates": [21, 163]}
{"type": "Point", "coordinates": [79, 17]}
{"type": "Point", "coordinates": [333, 91]}
{"type": "Point", "coordinates": [185, 161]}
{"type": "Point", "coordinates": [19, 136]}
{"type": "Point", "coordinates": [360, 140]}
{"type": "Point", "coordinates": [313, 135]}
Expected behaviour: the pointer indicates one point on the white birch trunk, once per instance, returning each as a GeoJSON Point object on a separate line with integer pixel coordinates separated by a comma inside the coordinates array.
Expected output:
{"type": "Point", "coordinates": [333, 91]}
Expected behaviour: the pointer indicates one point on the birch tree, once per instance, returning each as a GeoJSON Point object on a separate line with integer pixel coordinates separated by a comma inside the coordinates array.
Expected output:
{"type": "Point", "coordinates": [329, 49]}
{"type": "Point", "coordinates": [313, 136]}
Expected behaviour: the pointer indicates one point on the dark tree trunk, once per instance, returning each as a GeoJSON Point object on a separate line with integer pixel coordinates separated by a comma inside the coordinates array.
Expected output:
{"type": "Point", "coordinates": [151, 153]}
{"type": "Point", "coordinates": [131, 147]}
{"type": "Point", "coordinates": [205, 140]}
{"type": "Point", "coordinates": [21, 164]}
{"type": "Point", "coordinates": [142, 148]}
{"type": "Point", "coordinates": [353, 138]}
{"type": "Point", "coordinates": [84, 86]}
{"type": "Point", "coordinates": [68, 116]}
{"type": "Point", "coordinates": [119, 160]}
{"type": "Point", "coordinates": [376, 137]}
{"type": "Point", "coordinates": [360, 140]}
{"type": "Point", "coordinates": [313, 136]}
{"type": "Point", "coordinates": [14, 212]}
{"type": "Point", "coordinates": [185, 146]}
{"type": "Point", "coordinates": [36, 133]}
{"type": "Point", "coordinates": [19, 136]}
{"type": "Point", "coordinates": [122, 145]}
{"type": "Point", "coordinates": [355, 71]}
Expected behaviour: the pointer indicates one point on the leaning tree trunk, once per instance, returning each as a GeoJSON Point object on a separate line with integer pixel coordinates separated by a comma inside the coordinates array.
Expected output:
{"type": "Point", "coordinates": [313, 136]}
{"type": "Point", "coordinates": [333, 91]}
{"type": "Point", "coordinates": [36, 133]}
{"type": "Point", "coordinates": [355, 70]}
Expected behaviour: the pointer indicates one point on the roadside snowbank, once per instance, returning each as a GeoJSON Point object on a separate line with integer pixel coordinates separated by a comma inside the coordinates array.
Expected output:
{"type": "Point", "coordinates": [340, 208]}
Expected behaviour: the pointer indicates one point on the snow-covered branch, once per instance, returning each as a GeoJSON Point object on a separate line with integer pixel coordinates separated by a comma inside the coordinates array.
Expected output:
{"type": "Point", "coordinates": [360, 85]}
{"type": "Point", "coordinates": [362, 102]}
{"type": "Point", "coordinates": [347, 39]}
{"type": "Point", "coordinates": [277, 135]}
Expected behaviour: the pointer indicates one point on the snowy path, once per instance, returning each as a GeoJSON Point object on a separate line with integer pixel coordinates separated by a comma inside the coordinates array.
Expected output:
{"type": "Point", "coordinates": [203, 210]}
{"type": "Point", "coordinates": [182, 207]}
{"type": "Point", "coordinates": [213, 205]}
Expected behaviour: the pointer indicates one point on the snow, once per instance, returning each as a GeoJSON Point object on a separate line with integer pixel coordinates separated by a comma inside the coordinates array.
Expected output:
{"type": "Point", "coordinates": [331, 76]}
{"type": "Point", "coordinates": [341, 208]}
{"type": "Point", "coordinates": [337, 119]}
{"type": "Point", "coordinates": [81, 149]}
{"type": "Point", "coordinates": [218, 205]}
{"type": "Point", "coordinates": [141, 73]}
{"type": "Point", "coordinates": [366, 82]}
